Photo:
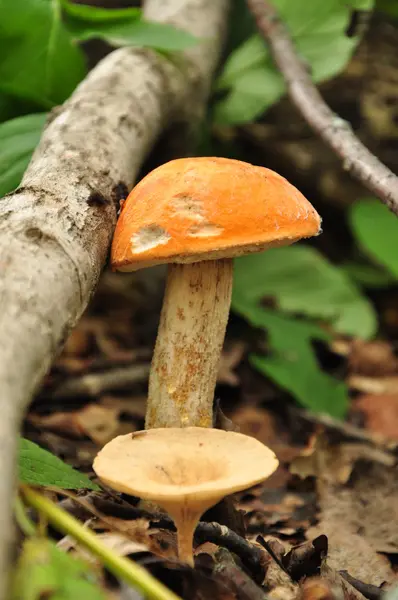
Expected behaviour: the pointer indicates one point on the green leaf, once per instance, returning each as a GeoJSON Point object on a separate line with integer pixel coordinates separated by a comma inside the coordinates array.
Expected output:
{"type": "Point", "coordinates": [367, 275]}
{"type": "Point", "coordinates": [39, 467]}
{"type": "Point", "coordinates": [123, 27]}
{"type": "Point", "coordinates": [292, 363]}
{"type": "Point", "coordinates": [376, 231]}
{"type": "Point", "coordinates": [96, 14]}
{"type": "Point", "coordinates": [252, 53]}
{"type": "Point", "coordinates": [11, 107]}
{"type": "Point", "coordinates": [134, 32]}
{"type": "Point", "coordinates": [42, 64]}
{"type": "Point", "coordinates": [241, 25]}
{"type": "Point", "coordinates": [388, 6]}
{"type": "Point", "coordinates": [45, 571]}
{"type": "Point", "coordinates": [255, 88]}
{"type": "Point", "coordinates": [318, 30]}
{"type": "Point", "coordinates": [18, 139]}
{"type": "Point", "coordinates": [302, 281]}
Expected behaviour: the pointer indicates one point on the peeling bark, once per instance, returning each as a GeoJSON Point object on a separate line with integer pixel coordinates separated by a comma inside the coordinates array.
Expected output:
{"type": "Point", "coordinates": [56, 228]}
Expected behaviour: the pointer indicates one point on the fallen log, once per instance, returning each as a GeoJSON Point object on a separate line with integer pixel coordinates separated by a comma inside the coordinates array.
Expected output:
{"type": "Point", "coordinates": [55, 229]}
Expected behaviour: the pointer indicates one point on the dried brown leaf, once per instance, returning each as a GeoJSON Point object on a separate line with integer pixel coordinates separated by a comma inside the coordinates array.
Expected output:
{"type": "Point", "coordinates": [372, 359]}
{"type": "Point", "coordinates": [334, 463]}
{"type": "Point", "coordinates": [381, 413]}
{"type": "Point", "coordinates": [374, 385]}
{"type": "Point", "coordinates": [359, 521]}
{"type": "Point", "coordinates": [99, 423]}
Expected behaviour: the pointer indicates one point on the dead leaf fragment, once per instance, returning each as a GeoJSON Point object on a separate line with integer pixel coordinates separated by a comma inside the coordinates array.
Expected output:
{"type": "Point", "coordinates": [121, 544]}
{"type": "Point", "coordinates": [334, 463]}
{"type": "Point", "coordinates": [381, 413]}
{"type": "Point", "coordinates": [99, 423]}
{"type": "Point", "coordinates": [374, 385]}
{"type": "Point", "coordinates": [372, 359]}
{"type": "Point", "coordinates": [316, 588]}
{"type": "Point", "coordinates": [359, 521]}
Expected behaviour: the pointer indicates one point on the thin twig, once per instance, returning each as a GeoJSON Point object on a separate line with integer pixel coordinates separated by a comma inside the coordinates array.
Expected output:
{"type": "Point", "coordinates": [95, 384]}
{"type": "Point", "coordinates": [336, 132]}
{"type": "Point", "coordinates": [244, 587]}
{"type": "Point", "coordinates": [372, 592]}
{"type": "Point", "coordinates": [346, 430]}
{"type": "Point", "coordinates": [251, 556]}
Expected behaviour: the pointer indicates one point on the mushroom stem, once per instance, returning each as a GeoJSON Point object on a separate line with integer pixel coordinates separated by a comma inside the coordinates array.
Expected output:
{"type": "Point", "coordinates": [185, 533]}
{"type": "Point", "coordinates": [186, 516]}
{"type": "Point", "coordinates": [188, 347]}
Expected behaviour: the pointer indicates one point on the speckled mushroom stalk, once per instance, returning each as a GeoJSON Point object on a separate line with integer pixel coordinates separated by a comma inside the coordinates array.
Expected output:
{"type": "Point", "coordinates": [197, 214]}
{"type": "Point", "coordinates": [189, 343]}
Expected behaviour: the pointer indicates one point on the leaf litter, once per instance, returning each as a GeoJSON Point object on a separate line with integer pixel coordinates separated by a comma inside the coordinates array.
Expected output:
{"type": "Point", "coordinates": [329, 508]}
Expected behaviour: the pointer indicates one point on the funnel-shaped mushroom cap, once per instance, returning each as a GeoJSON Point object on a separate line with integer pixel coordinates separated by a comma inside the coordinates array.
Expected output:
{"type": "Point", "coordinates": [192, 464]}
{"type": "Point", "coordinates": [195, 209]}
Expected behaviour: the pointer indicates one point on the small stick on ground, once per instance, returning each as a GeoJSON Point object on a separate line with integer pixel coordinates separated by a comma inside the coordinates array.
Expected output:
{"type": "Point", "coordinates": [336, 132]}
{"type": "Point", "coordinates": [372, 592]}
{"type": "Point", "coordinates": [245, 588]}
{"type": "Point", "coordinates": [347, 430]}
{"type": "Point", "coordinates": [251, 556]}
{"type": "Point", "coordinates": [94, 384]}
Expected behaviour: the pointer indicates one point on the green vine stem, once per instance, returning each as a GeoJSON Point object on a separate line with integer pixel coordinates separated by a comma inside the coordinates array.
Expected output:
{"type": "Point", "coordinates": [120, 566]}
{"type": "Point", "coordinates": [25, 524]}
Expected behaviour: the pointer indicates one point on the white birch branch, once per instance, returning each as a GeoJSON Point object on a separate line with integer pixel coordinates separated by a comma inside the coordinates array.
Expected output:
{"type": "Point", "coordinates": [56, 228]}
{"type": "Point", "coordinates": [336, 132]}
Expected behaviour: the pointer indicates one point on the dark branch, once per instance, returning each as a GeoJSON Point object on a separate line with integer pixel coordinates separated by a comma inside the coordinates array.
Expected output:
{"type": "Point", "coordinates": [372, 592]}
{"type": "Point", "coordinates": [336, 132]}
{"type": "Point", "coordinates": [251, 556]}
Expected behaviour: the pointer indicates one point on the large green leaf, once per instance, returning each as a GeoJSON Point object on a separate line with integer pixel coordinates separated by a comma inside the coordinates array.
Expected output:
{"type": "Point", "coordinates": [123, 27]}
{"type": "Point", "coordinates": [18, 139]}
{"type": "Point", "coordinates": [45, 571]}
{"type": "Point", "coordinates": [11, 107]}
{"type": "Point", "coordinates": [291, 363]}
{"type": "Point", "coordinates": [136, 33]}
{"type": "Point", "coordinates": [95, 14]}
{"type": "Point", "coordinates": [41, 62]}
{"type": "Point", "coordinates": [376, 230]}
{"type": "Point", "coordinates": [39, 467]}
{"type": "Point", "coordinates": [301, 281]}
{"type": "Point", "coordinates": [368, 275]}
{"type": "Point", "coordinates": [388, 6]}
{"type": "Point", "coordinates": [318, 29]}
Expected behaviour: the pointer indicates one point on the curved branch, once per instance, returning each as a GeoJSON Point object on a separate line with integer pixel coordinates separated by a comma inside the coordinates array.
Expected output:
{"type": "Point", "coordinates": [56, 228]}
{"type": "Point", "coordinates": [336, 132]}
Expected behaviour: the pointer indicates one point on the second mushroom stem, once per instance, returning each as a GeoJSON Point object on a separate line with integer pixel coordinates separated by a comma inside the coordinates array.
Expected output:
{"type": "Point", "coordinates": [189, 343]}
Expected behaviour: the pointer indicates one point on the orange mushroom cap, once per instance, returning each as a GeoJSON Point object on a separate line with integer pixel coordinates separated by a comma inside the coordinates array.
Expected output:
{"type": "Point", "coordinates": [194, 209]}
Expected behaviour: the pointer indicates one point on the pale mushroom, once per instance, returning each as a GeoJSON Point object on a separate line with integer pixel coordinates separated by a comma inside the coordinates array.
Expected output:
{"type": "Point", "coordinates": [184, 470]}
{"type": "Point", "coordinates": [201, 212]}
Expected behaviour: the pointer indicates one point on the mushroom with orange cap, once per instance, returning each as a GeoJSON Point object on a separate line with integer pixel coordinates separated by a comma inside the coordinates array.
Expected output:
{"type": "Point", "coordinates": [197, 214]}
{"type": "Point", "coordinates": [184, 470]}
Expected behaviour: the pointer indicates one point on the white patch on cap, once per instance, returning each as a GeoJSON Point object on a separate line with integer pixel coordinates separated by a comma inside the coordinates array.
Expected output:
{"type": "Point", "coordinates": [205, 230]}
{"type": "Point", "coordinates": [192, 208]}
{"type": "Point", "coordinates": [187, 207]}
{"type": "Point", "coordinates": [148, 237]}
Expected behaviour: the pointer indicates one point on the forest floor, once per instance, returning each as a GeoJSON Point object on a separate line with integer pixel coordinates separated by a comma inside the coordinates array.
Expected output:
{"type": "Point", "coordinates": [325, 525]}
